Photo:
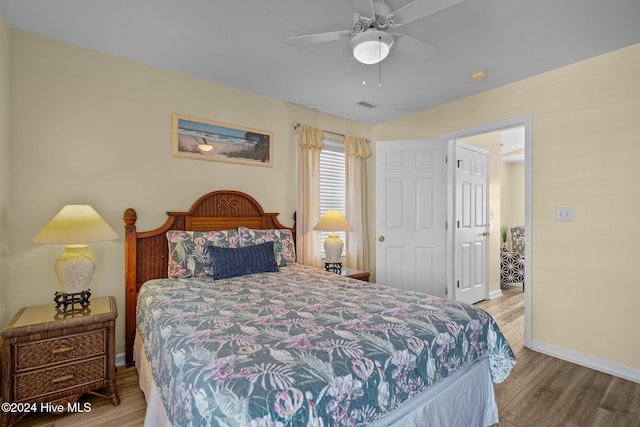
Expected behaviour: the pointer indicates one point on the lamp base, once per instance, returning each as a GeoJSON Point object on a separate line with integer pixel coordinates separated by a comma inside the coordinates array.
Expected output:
{"type": "Point", "coordinates": [333, 248]}
{"type": "Point", "coordinates": [74, 268]}
{"type": "Point", "coordinates": [66, 300]}
{"type": "Point", "coordinates": [334, 267]}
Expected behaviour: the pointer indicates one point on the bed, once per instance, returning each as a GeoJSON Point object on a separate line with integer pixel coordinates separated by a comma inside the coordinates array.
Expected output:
{"type": "Point", "coordinates": [276, 343]}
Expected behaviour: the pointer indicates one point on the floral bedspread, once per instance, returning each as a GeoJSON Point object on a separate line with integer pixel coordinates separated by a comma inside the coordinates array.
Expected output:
{"type": "Point", "coordinates": [304, 347]}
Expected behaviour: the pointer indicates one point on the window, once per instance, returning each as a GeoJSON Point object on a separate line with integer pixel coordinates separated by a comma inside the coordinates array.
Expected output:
{"type": "Point", "coordinates": [332, 183]}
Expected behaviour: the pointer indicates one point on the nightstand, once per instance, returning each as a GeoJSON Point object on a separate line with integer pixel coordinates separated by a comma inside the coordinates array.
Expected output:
{"type": "Point", "coordinates": [355, 274]}
{"type": "Point", "coordinates": [52, 357]}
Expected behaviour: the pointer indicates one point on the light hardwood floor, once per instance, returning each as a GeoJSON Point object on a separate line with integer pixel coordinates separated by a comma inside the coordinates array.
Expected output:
{"type": "Point", "coordinates": [544, 391]}
{"type": "Point", "coordinates": [541, 390]}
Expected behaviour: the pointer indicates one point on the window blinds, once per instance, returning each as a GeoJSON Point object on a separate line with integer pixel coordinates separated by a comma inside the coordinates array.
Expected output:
{"type": "Point", "coordinates": [332, 182]}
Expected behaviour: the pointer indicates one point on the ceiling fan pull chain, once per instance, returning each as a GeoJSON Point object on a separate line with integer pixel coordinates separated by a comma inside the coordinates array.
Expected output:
{"type": "Point", "coordinates": [379, 61]}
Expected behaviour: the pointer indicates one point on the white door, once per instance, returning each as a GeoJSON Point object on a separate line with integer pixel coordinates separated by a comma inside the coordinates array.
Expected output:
{"type": "Point", "coordinates": [411, 208]}
{"type": "Point", "coordinates": [471, 223]}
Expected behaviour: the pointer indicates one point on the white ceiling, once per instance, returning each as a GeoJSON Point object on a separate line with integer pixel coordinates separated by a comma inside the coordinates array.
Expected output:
{"type": "Point", "coordinates": [511, 139]}
{"type": "Point", "coordinates": [243, 44]}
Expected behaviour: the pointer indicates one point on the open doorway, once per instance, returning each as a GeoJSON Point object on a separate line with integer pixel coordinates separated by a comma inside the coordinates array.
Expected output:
{"type": "Point", "coordinates": [506, 206]}
{"type": "Point", "coordinates": [524, 123]}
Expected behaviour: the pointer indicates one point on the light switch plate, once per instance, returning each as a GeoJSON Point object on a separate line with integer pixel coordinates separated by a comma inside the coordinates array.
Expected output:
{"type": "Point", "coordinates": [564, 214]}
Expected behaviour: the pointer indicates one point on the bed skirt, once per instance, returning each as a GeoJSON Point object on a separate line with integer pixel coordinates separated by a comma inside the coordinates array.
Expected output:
{"type": "Point", "coordinates": [465, 399]}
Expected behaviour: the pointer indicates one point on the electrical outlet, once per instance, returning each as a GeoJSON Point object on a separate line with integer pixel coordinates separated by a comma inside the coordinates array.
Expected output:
{"type": "Point", "coordinates": [564, 214]}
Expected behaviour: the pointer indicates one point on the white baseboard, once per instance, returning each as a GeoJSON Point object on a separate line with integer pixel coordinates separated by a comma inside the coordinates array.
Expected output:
{"type": "Point", "coordinates": [495, 294]}
{"type": "Point", "coordinates": [121, 359]}
{"type": "Point", "coordinates": [602, 365]}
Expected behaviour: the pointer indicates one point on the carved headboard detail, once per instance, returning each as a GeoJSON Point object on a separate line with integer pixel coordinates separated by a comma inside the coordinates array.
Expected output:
{"type": "Point", "coordinates": [146, 252]}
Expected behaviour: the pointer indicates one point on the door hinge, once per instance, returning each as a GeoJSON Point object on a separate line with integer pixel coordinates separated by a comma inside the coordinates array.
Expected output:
{"type": "Point", "coordinates": [446, 225]}
{"type": "Point", "coordinates": [458, 284]}
{"type": "Point", "coordinates": [458, 223]}
{"type": "Point", "coordinates": [459, 163]}
{"type": "Point", "coordinates": [446, 160]}
{"type": "Point", "coordinates": [446, 291]}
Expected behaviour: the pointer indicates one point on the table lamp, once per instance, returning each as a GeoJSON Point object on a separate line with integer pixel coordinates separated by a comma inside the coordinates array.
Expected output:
{"type": "Point", "coordinates": [333, 220]}
{"type": "Point", "coordinates": [75, 226]}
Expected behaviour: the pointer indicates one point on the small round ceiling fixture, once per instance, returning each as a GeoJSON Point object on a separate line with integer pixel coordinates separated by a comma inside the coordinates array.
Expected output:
{"type": "Point", "coordinates": [479, 75]}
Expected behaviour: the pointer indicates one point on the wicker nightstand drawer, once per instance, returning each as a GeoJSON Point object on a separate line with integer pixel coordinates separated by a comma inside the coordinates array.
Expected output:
{"type": "Point", "coordinates": [51, 355]}
{"type": "Point", "coordinates": [37, 383]}
{"type": "Point", "coordinates": [55, 350]}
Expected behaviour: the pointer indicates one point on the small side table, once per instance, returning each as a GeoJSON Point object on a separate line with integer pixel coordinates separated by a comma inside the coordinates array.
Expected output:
{"type": "Point", "coordinates": [355, 274]}
{"type": "Point", "coordinates": [51, 357]}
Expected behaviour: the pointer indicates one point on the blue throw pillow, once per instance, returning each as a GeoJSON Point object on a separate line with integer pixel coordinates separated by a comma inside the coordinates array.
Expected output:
{"type": "Point", "coordinates": [230, 262]}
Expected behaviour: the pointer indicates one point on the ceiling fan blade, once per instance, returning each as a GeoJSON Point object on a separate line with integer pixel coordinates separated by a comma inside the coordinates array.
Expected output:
{"type": "Point", "coordinates": [420, 8]}
{"type": "Point", "coordinates": [319, 38]}
{"type": "Point", "coordinates": [364, 8]}
{"type": "Point", "coordinates": [413, 46]}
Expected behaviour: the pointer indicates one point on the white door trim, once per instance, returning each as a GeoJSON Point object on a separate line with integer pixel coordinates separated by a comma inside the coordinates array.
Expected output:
{"type": "Point", "coordinates": [527, 122]}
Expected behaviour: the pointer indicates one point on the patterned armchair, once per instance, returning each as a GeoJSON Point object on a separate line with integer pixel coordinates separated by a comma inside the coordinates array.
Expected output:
{"type": "Point", "coordinates": [512, 263]}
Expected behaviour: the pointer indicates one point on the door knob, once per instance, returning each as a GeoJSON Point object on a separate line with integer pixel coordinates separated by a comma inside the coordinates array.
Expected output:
{"type": "Point", "coordinates": [381, 238]}
{"type": "Point", "coordinates": [485, 234]}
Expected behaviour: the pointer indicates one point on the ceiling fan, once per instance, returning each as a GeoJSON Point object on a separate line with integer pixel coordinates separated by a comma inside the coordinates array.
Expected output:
{"type": "Point", "coordinates": [374, 29]}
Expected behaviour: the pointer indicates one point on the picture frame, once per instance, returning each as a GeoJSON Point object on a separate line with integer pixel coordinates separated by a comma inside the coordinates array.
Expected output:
{"type": "Point", "coordinates": [202, 139]}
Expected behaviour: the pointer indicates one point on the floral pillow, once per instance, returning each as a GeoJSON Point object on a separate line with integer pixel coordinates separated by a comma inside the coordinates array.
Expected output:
{"type": "Point", "coordinates": [189, 251]}
{"type": "Point", "coordinates": [283, 244]}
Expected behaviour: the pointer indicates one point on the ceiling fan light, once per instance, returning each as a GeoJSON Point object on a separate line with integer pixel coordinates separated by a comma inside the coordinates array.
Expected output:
{"type": "Point", "coordinates": [371, 47]}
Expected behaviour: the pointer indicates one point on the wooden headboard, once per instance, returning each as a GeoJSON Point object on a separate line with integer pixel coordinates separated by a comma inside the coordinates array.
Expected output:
{"type": "Point", "coordinates": [147, 252]}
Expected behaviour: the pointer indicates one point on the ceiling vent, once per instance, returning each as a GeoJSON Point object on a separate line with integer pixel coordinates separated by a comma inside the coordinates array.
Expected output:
{"type": "Point", "coordinates": [367, 104]}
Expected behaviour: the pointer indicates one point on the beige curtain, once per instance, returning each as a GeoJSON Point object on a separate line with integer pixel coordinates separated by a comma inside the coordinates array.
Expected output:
{"type": "Point", "coordinates": [308, 197]}
{"type": "Point", "coordinates": [356, 151]}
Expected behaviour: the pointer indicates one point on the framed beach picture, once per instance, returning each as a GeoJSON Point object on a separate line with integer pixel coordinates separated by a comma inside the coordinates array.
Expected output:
{"type": "Point", "coordinates": [202, 139]}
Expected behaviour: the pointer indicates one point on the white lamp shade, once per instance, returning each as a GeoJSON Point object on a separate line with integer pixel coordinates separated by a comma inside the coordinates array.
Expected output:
{"type": "Point", "coordinates": [333, 220]}
{"type": "Point", "coordinates": [372, 46]}
{"type": "Point", "coordinates": [76, 224]}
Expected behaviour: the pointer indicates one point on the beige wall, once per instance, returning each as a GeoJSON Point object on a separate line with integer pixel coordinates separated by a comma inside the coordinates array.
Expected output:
{"type": "Point", "coordinates": [513, 189]}
{"type": "Point", "coordinates": [4, 166]}
{"type": "Point", "coordinates": [585, 152]}
{"type": "Point", "coordinates": [92, 128]}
